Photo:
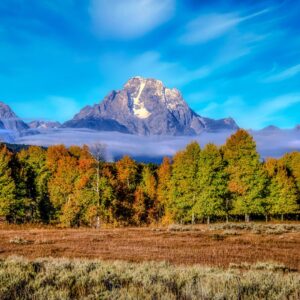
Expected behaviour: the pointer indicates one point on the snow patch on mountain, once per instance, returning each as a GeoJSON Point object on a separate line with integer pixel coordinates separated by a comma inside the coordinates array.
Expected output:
{"type": "Point", "coordinates": [138, 107]}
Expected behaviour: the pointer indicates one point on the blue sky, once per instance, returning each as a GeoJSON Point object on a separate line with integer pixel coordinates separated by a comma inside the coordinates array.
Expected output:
{"type": "Point", "coordinates": [228, 58]}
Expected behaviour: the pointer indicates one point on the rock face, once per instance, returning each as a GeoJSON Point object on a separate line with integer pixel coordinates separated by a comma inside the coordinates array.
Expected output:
{"type": "Point", "coordinates": [146, 107]}
{"type": "Point", "coordinates": [43, 125]}
{"type": "Point", "coordinates": [9, 120]}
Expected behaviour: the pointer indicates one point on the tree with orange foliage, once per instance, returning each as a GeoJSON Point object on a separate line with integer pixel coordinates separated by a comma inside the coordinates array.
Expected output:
{"type": "Point", "coordinates": [127, 177]}
{"type": "Point", "coordinates": [53, 155]}
{"type": "Point", "coordinates": [62, 183]}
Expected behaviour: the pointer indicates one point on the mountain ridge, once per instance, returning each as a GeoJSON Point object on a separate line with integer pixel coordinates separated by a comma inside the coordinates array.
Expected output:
{"type": "Point", "coordinates": [9, 120]}
{"type": "Point", "coordinates": [146, 107]}
{"type": "Point", "coordinates": [37, 124]}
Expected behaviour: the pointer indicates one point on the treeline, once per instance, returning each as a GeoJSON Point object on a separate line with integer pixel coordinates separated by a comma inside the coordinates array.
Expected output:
{"type": "Point", "coordinates": [74, 186]}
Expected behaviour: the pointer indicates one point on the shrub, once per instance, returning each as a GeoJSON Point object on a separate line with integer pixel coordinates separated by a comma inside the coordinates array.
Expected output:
{"type": "Point", "coordinates": [82, 279]}
{"type": "Point", "coordinates": [176, 227]}
{"type": "Point", "coordinates": [20, 241]}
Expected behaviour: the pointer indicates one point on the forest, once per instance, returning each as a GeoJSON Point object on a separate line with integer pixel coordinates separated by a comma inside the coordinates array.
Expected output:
{"type": "Point", "coordinates": [75, 186]}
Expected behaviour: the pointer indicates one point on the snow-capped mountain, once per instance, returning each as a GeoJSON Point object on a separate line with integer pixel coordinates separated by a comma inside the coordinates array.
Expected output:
{"type": "Point", "coordinates": [43, 124]}
{"type": "Point", "coordinates": [9, 120]}
{"type": "Point", "coordinates": [146, 107]}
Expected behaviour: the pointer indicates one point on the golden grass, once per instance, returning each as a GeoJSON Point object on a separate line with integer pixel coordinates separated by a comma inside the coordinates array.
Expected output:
{"type": "Point", "coordinates": [205, 245]}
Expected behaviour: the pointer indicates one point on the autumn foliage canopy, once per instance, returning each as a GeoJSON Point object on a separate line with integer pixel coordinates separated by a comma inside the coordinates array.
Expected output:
{"type": "Point", "coordinates": [74, 187]}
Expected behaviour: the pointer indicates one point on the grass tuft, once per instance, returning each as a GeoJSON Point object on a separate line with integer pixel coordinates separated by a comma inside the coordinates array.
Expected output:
{"type": "Point", "coordinates": [20, 241]}
{"type": "Point", "coordinates": [82, 279]}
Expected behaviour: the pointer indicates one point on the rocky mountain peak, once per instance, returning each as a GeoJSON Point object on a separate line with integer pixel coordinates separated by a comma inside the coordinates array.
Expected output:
{"type": "Point", "coordinates": [6, 112]}
{"type": "Point", "coordinates": [9, 120]}
{"type": "Point", "coordinates": [141, 91]}
{"type": "Point", "coordinates": [145, 106]}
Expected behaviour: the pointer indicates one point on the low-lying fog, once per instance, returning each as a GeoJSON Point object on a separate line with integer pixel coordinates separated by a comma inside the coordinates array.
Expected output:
{"type": "Point", "coordinates": [152, 148]}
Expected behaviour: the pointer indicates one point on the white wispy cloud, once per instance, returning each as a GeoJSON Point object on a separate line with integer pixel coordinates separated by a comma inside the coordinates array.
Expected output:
{"type": "Point", "coordinates": [126, 19]}
{"type": "Point", "coordinates": [283, 75]}
{"type": "Point", "coordinates": [248, 116]}
{"type": "Point", "coordinates": [151, 64]}
{"type": "Point", "coordinates": [208, 27]}
{"type": "Point", "coordinates": [279, 103]}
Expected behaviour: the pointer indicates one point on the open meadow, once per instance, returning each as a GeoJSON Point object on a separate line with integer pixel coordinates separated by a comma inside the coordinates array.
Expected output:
{"type": "Point", "coordinates": [220, 261]}
{"type": "Point", "coordinates": [216, 245]}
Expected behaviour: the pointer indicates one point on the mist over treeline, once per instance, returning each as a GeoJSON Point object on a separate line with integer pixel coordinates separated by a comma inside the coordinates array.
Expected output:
{"type": "Point", "coordinates": [270, 142]}
{"type": "Point", "coordinates": [75, 186]}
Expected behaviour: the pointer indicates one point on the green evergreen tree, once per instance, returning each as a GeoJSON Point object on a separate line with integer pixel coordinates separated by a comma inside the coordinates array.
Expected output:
{"type": "Point", "coordinates": [145, 209]}
{"type": "Point", "coordinates": [247, 179]}
{"type": "Point", "coordinates": [128, 178]}
{"type": "Point", "coordinates": [164, 173]}
{"type": "Point", "coordinates": [9, 205]}
{"type": "Point", "coordinates": [212, 184]}
{"type": "Point", "coordinates": [283, 195]}
{"type": "Point", "coordinates": [32, 186]}
{"type": "Point", "coordinates": [292, 162]}
{"type": "Point", "coordinates": [184, 184]}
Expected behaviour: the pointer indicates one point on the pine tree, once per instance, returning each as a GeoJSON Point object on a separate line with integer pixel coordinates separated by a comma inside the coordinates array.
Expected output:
{"type": "Point", "coordinates": [247, 179]}
{"type": "Point", "coordinates": [61, 183]}
{"type": "Point", "coordinates": [292, 162]}
{"type": "Point", "coordinates": [163, 189]}
{"type": "Point", "coordinates": [127, 178]}
{"type": "Point", "coordinates": [32, 185]}
{"type": "Point", "coordinates": [9, 205]}
{"type": "Point", "coordinates": [184, 183]}
{"type": "Point", "coordinates": [283, 195]}
{"type": "Point", "coordinates": [54, 154]}
{"type": "Point", "coordinates": [270, 166]}
{"type": "Point", "coordinates": [140, 206]}
{"type": "Point", "coordinates": [145, 210]}
{"type": "Point", "coordinates": [212, 184]}
{"type": "Point", "coordinates": [108, 191]}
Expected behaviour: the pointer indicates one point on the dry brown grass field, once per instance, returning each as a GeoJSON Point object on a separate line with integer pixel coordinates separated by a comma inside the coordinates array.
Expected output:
{"type": "Point", "coordinates": [215, 245]}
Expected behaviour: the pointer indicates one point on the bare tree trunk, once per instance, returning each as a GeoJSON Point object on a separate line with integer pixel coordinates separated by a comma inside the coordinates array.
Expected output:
{"type": "Point", "coordinates": [227, 210]}
{"type": "Point", "coordinates": [282, 217]}
{"type": "Point", "coordinates": [247, 218]}
{"type": "Point", "coordinates": [98, 196]}
{"type": "Point", "coordinates": [98, 151]}
{"type": "Point", "coordinates": [98, 222]}
{"type": "Point", "coordinates": [267, 219]}
{"type": "Point", "coordinates": [193, 218]}
{"type": "Point", "coordinates": [208, 220]}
